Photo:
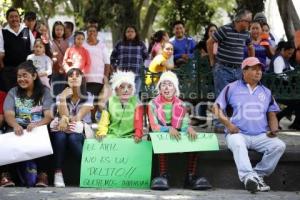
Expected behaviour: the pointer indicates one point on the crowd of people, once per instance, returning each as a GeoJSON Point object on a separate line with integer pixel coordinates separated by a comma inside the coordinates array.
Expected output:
{"type": "Point", "coordinates": [63, 81]}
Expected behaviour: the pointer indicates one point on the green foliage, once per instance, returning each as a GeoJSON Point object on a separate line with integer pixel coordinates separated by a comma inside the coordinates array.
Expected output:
{"type": "Point", "coordinates": [4, 6]}
{"type": "Point", "coordinates": [254, 6]}
{"type": "Point", "coordinates": [45, 9]}
{"type": "Point", "coordinates": [196, 14]}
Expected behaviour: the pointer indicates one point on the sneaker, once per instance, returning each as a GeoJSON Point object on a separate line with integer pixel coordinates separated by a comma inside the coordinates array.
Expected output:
{"type": "Point", "coordinates": [196, 183]}
{"type": "Point", "coordinates": [262, 186]}
{"type": "Point", "coordinates": [160, 183]}
{"type": "Point", "coordinates": [251, 185]}
{"type": "Point", "coordinates": [42, 180]}
{"type": "Point", "coordinates": [59, 180]}
{"type": "Point", "coordinates": [6, 180]}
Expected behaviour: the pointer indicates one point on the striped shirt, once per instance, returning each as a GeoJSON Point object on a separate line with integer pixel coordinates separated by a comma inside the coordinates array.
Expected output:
{"type": "Point", "coordinates": [129, 56]}
{"type": "Point", "coordinates": [231, 44]}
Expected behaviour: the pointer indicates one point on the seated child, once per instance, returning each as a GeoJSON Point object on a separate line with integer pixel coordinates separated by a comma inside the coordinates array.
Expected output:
{"type": "Point", "coordinates": [167, 113]}
{"type": "Point", "coordinates": [122, 117]}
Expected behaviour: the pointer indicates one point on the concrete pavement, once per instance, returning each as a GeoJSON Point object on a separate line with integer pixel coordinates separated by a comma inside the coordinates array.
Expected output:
{"type": "Point", "coordinates": [72, 193]}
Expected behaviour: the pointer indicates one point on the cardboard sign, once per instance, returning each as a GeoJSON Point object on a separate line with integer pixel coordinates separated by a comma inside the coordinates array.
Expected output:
{"type": "Point", "coordinates": [163, 143]}
{"type": "Point", "coordinates": [28, 146]}
{"type": "Point", "coordinates": [116, 163]}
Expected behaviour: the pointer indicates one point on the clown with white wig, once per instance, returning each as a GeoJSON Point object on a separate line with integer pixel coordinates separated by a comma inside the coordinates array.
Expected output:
{"type": "Point", "coordinates": [122, 117]}
{"type": "Point", "coordinates": [167, 113]}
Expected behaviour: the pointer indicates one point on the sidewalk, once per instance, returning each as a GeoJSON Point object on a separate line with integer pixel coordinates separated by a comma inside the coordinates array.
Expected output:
{"type": "Point", "coordinates": [75, 193]}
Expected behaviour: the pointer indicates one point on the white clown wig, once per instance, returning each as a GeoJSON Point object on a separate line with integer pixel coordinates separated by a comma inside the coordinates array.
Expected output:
{"type": "Point", "coordinates": [120, 77]}
{"type": "Point", "coordinates": [169, 76]}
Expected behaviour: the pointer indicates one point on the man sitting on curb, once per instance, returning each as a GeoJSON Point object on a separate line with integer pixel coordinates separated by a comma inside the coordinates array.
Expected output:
{"type": "Point", "coordinates": [253, 125]}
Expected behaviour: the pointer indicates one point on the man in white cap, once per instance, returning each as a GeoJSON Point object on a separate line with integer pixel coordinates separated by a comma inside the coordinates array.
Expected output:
{"type": "Point", "coordinates": [253, 125]}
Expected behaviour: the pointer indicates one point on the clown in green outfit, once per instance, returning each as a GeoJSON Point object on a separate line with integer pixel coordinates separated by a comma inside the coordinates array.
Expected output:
{"type": "Point", "coordinates": [123, 116]}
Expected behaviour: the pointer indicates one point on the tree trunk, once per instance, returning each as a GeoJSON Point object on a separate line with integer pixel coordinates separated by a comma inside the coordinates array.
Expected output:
{"type": "Point", "coordinates": [283, 6]}
{"type": "Point", "coordinates": [295, 17]}
{"type": "Point", "coordinates": [149, 19]}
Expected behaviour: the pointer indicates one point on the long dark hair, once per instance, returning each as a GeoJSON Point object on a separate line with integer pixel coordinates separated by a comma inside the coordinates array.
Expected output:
{"type": "Point", "coordinates": [157, 37]}
{"type": "Point", "coordinates": [202, 43]}
{"type": "Point", "coordinates": [38, 87]}
{"type": "Point", "coordinates": [83, 91]}
{"type": "Point", "coordinates": [205, 37]}
{"type": "Point", "coordinates": [57, 23]}
{"type": "Point", "coordinates": [136, 40]}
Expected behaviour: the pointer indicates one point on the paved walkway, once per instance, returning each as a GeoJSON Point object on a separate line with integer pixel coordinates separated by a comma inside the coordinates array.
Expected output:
{"type": "Point", "coordinates": [73, 193]}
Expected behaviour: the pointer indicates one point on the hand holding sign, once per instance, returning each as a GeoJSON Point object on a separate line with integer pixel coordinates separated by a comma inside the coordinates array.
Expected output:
{"type": "Point", "coordinates": [174, 133]}
{"type": "Point", "coordinates": [192, 134]}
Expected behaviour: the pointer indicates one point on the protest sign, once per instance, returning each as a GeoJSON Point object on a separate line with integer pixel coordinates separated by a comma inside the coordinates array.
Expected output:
{"type": "Point", "coordinates": [28, 146]}
{"type": "Point", "coordinates": [163, 143]}
{"type": "Point", "coordinates": [116, 163]}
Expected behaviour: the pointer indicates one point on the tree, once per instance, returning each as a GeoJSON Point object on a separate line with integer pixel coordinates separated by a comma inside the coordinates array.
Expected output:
{"type": "Point", "coordinates": [116, 14]}
{"type": "Point", "coordinates": [289, 17]}
{"type": "Point", "coordinates": [4, 6]}
{"type": "Point", "coordinates": [254, 6]}
{"type": "Point", "coordinates": [196, 14]}
{"type": "Point", "coordinates": [44, 9]}
{"type": "Point", "coordinates": [288, 14]}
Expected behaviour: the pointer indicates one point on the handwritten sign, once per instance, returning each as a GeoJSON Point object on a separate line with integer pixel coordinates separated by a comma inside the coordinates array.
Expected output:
{"type": "Point", "coordinates": [163, 143]}
{"type": "Point", "coordinates": [116, 163]}
{"type": "Point", "coordinates": [28, 146]}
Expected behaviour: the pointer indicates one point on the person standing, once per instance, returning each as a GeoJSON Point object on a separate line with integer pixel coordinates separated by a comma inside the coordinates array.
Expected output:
{"type": "Point", "coordinates": [68, 33]}
{"type": "Point", "coordinates": [100, 65]}
{"type": "Point", "coordinates": [226, 65]}
{"type": "Point", "coordinates": [129, 54]}
{"type": "Point", "coordinates": [231, 39]}
{"type": "Point", "coordinates": [15, 39]}
{"type": "Point", "coordinates": [59, 47]}
{"type": "Point", "coordinates": [30, 22]}
{"type": "Point", "coordinates": [261, 43]}
{"type": "Point", "coordinates": [183, 46]}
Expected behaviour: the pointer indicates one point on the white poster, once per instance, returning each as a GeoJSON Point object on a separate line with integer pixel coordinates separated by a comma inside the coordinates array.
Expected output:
{"type": "Point", "coordinates": [28, 146]}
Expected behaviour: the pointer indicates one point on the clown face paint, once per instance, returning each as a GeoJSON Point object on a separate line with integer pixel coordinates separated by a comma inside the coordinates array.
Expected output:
{"type": "Point", "coordinates": [124, 91]}
{"type": "Point", "coordinates": [167, 89]}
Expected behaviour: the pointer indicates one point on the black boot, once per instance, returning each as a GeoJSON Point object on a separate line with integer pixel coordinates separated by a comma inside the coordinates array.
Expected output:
{"type": "Point", "coordinates": [195, 183]}
{"type": "Point", "coordinates": [160, 183]}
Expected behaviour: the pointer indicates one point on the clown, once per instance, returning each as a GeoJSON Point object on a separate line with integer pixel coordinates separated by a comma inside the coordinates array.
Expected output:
{"type": "Point", "coordinates": [122, 117]}
{"type": "Point", "coordinates": [167, 113]}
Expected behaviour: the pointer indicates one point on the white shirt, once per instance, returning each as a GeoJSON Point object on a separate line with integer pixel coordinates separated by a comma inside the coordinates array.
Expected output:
{"type": "Point", "coordinates": [279, 65]}
{"type": "Point", "coordinates": [99, 57]}
{"type": "Point", "coordinates": [22, 26]}
{"type": "Point", "coordinates": [43, 63]}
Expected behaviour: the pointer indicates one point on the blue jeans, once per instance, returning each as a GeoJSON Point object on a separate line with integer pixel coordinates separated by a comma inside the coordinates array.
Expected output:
{"type": "Point", "coordinates": [63, 140]}
{"type": "Point", "coordinates": [223, 75]}
{"type": "Point", "coordinates": [138, 83]}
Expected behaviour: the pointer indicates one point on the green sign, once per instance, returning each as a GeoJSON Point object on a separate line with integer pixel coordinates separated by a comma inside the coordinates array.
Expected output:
{"type": "Point", "coordinates": [163, 143]}
{"type": "Point", "coordinates": [116, 163]}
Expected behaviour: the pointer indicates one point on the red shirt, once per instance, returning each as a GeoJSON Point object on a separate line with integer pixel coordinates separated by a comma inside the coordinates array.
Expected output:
{"type": "Point", "coordinates": [79, 57]}
{"type": "Point", "coordinates": [2, 98]}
